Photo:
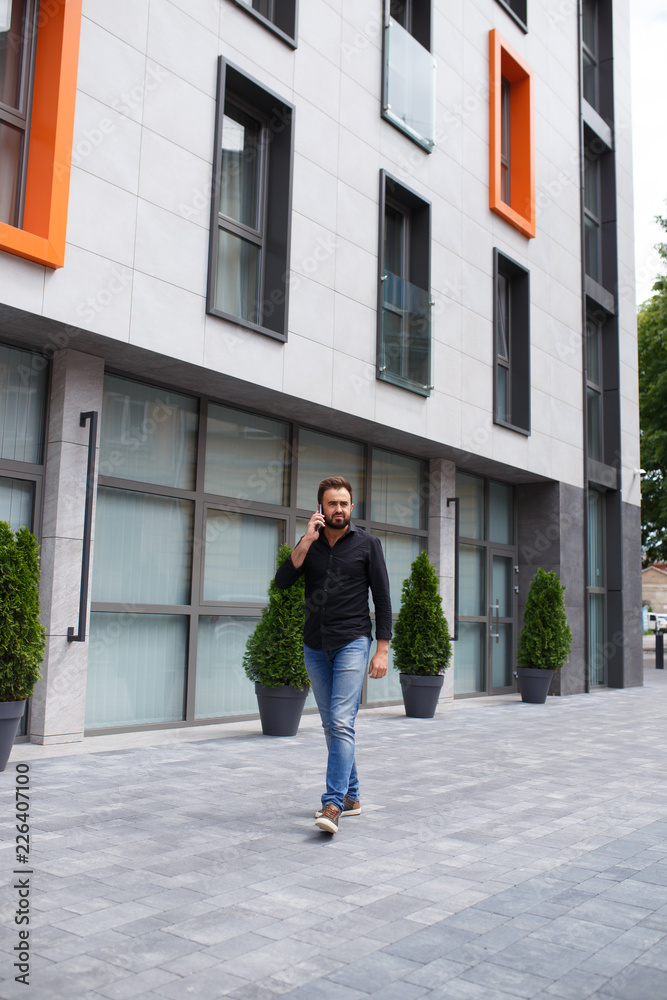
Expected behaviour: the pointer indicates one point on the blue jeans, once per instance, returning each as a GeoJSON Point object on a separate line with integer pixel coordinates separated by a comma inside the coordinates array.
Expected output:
{"type": "Point", "coordinates": [337, 677]}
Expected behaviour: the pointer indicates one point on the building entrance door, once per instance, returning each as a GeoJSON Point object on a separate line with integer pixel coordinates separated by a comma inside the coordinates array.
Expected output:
{"type": "Point", "coordinates": [501, 628]}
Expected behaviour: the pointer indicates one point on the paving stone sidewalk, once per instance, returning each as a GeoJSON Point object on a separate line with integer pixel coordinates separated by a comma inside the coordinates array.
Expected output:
{"type": "Point", "coordinates": [504, 851]}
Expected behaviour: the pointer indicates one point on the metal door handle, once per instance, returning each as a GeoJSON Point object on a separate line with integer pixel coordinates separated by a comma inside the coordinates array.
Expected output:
{"type": "Point", "coordinates": [495, 608]}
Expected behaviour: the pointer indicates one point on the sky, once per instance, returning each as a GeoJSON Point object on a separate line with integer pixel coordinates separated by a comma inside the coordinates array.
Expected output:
{"type": "Point", "coordinates": [648, 40]}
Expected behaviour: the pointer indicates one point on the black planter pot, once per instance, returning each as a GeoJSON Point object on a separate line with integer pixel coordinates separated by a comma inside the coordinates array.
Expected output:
{"type": "Point", "coordinates": [10, 716]}
{"type": "Point", "coordinates": [280, 709]}
{"type": "Point", "coordinates": [534, 683]}
{"type": "Point", "coordinates": [420, 694]}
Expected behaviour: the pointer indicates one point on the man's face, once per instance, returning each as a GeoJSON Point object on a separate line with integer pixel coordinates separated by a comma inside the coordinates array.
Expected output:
{"type": "Point", "coordinates": [337, 508]}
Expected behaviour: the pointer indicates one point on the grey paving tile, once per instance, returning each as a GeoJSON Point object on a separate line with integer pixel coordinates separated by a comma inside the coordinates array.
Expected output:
{"type": "Point", "coordinates": [605, 911]}
{"type": "Point", "coordinates": [512, 981]}
{"type": "Point", "coordinates": [572, 933]}
{"type": "Point", "coordinates": [576, 985]}
{"type": "Point", "coordinates": [431, 942]}
{"type": "Point", "coordinates": [635, 982]}
{"type": "Point", "coordinates": [540, 958]}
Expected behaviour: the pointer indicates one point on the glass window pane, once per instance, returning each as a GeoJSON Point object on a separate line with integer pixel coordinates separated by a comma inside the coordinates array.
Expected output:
{"type": "Point", "coordinates": [387, 688]}
{"type": "Point", "coordinates": [16, 502]}
{"type": "Point", "coordinates": [590, 80]}
{"type": "Point", "coordinates": [239, 180]}
{"type": "Point", "coordinates": [596, 539]}
{"type": "Point", "coordinates": [23, 381]}
{"type": "Point", "coordinates": [470, 658]}
{"type": "Point", "coordinates": [400, 551]}
{"type": "Point", "coordinates": [397, 490]}
{"type": "Point", "coordinates": [501, 657]}
{"type": "Point", "coordinates": [501, 513]}
{"type": "Point", "coordinates": [593, 353]}
{"type": "Point", "coordinates": [502, 586]}
{"type": "Point", "coordinates": [320, 456]}
{"type": "Point", "coordinates": [246, 456]}
{"type": "Point", "coordinates": [589, 24]}
{"type": "Point", "coordinates": [237, 281]}
{"type": "Point", "coordinates": [410, 84]}
{"type": "Point", "coordinates": [594, 423]}
{"type": "Point", "coordinates": [592, 249]}
{"type": "Point", "coordinates": [502, 393]}
{"type": "Point", "coordinates": [11, 148]}
{"type": "Point", "coordinates": [394, 224]}
{"type": "Point", "coordinates": [472, 580]}
{"type": "Point", "coordinates": [136, 669]}
{"type": "Point", "coordinates": [222, 686]}
{"type": "Point", "coordinates": [470, 490]}
{"type": "Point", "coordinates": [143, 548]}
{"type": "Point", "coordinates": [12, 41]}
{"type": "Point", "coordinates": [596, 638]}
{"type": "Point", "coordinates": [406, 331]}
{"type": "Point", "coordinates": [241, 555]}
{"type": "Point", "coordinates": [591, 191]}
{"type": "Point", "coordinates": [148, 434]}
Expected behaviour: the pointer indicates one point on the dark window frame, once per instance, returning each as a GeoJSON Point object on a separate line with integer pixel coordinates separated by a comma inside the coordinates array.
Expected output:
{"type": "Point", "coordinates": [277, 144]}
{"type": "Point", "coordinates": [517, 339]}
{"type": "Point", "coordinates": [17, 116]}
{"type": "Point", "coordinates": [282, 20]}
{"type": "Point", "coordinates": [517, 10]}
{"type": "Point", "coordinates": [416, 265]}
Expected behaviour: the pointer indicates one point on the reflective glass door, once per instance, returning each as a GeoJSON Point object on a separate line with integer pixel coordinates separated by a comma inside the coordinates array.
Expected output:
{"type": "Point", "coordinates": [501, 630]}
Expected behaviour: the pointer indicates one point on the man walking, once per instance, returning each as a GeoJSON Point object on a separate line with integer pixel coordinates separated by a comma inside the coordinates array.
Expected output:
{"type": "Point", "coordinates": [340, 562]}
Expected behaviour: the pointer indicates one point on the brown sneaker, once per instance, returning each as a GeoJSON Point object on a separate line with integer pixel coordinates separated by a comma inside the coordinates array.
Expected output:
{"type": "Point", "coordinates": [351, 807]}
{"type": "Point", "coordinates": [328, 821]}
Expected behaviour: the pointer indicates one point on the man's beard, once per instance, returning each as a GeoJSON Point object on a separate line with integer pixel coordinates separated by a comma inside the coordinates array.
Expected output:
{"type": "Point", "coordinates": [339, 522]}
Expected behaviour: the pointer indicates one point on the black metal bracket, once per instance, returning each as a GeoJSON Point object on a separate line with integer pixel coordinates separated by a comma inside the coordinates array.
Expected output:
{"type": "Point", "coordinates": [455, 501]}
{"type": "Point", "coordinates": [87, 526]}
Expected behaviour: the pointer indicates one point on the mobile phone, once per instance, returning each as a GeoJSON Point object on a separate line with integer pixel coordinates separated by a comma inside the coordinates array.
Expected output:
{"type": "Point", "coordinates": [319, 511]}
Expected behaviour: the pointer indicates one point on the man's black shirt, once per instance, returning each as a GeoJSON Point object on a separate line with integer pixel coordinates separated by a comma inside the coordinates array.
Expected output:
{"type": "Point", "coordinates": [337, 580]}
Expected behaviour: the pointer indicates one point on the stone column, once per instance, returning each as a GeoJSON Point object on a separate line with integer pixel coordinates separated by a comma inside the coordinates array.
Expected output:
{"type": "Point", "coordinates": [59, 701]}
{"type": "Point", "coordinates": [442, 484]}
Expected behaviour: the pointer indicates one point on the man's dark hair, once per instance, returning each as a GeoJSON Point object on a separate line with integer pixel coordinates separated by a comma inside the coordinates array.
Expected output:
{"type": "Point", "coordinates": [333, 483]}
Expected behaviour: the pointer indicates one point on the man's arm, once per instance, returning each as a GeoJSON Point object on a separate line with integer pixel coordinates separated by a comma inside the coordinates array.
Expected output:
{"type": "Point", "coordinates": [379, 584]}
{"type": "Point", "coordinates": [290, 571]}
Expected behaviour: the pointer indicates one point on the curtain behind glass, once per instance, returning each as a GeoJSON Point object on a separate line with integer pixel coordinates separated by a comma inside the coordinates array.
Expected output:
{"type": "Point", "coordinates": [148, 434]}
{"type": "Point", "coordinates": [396, 490]}
{"type": "Point", "coordinates": [143, 548]}
{"type": "Point", "coordinates": [387, 688]}
{"type": "Point", "coordinates": [23, 381]}
{"type": "Point", "coordinates": [16, 502]}
{"type": "Point", "coordinates": [222, 686]}
{"type": "Point", "coordinates": [596, 534]}
{"type": "Point", "coordinates": [469, 658]}
{"type": "Point", "coordinates": [470, 490]}
{"type": "Point", "coordinates": [400, 551]}
{"type": "Point", "coordinates": [596, 638]}
{"type": "Point", "coordinates": [321, 456]}
{"type": "Point", "coordinates": [239, 181]}
{"type": "Point", "coordinates": [246, 456]}
{"type": "Point", "coordinates": [136, 669]}
{"type": "Point", "coordinates": [241, 552]}
{"type": "Point", "coordinates": [501, 513]}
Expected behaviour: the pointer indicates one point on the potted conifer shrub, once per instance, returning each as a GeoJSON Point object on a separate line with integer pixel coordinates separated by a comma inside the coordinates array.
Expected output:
{"type": "Point", "coordinates": [421, 644]}
{"type": "Point", "coordinates": [22, 636]}
{"type": "Point", "coordinates": [545, 639]}
{"type": "Point", "coordinates": [274, 658]}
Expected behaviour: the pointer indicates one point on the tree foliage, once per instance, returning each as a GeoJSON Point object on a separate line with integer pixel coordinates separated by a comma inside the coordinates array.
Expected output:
{"type": "Point", "coordinates": [545, 638]}
{"type": "Point", "coordinates": [421, 640]}
{"type": "Point", "coordinates": [652, 345]}
{"type": "Point", "coordinates": [22, 637]}
{"type": "Point", "coordinates": [274, 650]}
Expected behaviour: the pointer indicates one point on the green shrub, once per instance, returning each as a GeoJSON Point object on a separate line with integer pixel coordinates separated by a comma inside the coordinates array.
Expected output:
{"type": "Point", "coordinates": [274, 650]}
{"type": "Point", "coordinates": [22, 637]}
{"type": "Point", "coordinates": [545, 638]}
{"type": "Point", "coordinates": [421, 640]}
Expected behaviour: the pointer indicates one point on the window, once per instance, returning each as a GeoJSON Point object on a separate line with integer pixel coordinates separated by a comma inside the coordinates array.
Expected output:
{"type": "Point", "coordinates": [517, 11]}
{"type": "Point", "coordinates": [597, 593]}
{"type": "Point", "coordinates": [278, 15]}
{"type": "Point", "coordinates": [511, 140]}
{"type": "Point", "coordinates": [251, 205]}
{"type": "Point", "coordinates": [194, 499]}
{"type": "Point", "coordinates": [409, 70]}
{"type": "Point", "coordinates": [511, 324]}
{"type": "Point", "coordinates": [404, 298]}
{"type": "Point", "coordinates": [17, 37]}
{"type": "Point", "coordinates": [594, 397]}
{"type": "Point", "coordinates": [36, 127]}
{"type": "Point", "coordinates": [592, 226]}
{"type": "Point", "coordinates": [589, 51]}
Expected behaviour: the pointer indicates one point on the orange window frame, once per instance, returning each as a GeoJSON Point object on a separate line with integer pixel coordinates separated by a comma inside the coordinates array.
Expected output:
{"type": "Point", "coordinates": [42, 236]}
{"type": "Point", "coordinates": [505, 62]}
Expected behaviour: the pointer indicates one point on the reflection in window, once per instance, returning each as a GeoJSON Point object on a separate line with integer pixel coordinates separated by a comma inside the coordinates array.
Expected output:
{"type": "Point", "coordinates": [240, 555]}
{"type": "Point", "coordinates": [397, 490]}
{"type": "Point", "coordinates": [17, 43]}
{"type": "Point", "coordinates": [23, 382]}
{"type": "Point", "coordinates": [247, 456]}
{"type": "Point", "coordinates": [321, 456]}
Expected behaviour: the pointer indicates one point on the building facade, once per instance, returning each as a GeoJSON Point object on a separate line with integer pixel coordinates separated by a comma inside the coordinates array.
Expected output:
{"type": "Point", "coordinates": [245, 244]}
